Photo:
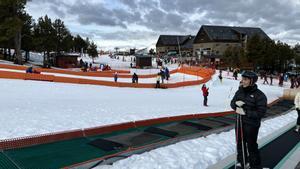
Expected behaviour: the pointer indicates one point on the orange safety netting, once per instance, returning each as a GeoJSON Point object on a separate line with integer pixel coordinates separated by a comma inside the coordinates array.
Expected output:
{"type": "Point", "coordinates": [197, 71]}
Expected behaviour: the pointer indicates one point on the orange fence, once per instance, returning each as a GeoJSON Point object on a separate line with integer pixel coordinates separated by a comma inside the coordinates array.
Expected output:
{"type": "Point", "coordinates": [97, 74]}
{"type": "Point", "coordinates": [122, 73]}
{"type": "Point", "coordinates": [52, 78]}
{"type": "Point", "coordinates": [204, 73]}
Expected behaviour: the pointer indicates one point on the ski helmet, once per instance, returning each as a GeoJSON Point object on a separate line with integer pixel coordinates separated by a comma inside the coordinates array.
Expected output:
{"type": "Point", "coordinates": [250, 75]}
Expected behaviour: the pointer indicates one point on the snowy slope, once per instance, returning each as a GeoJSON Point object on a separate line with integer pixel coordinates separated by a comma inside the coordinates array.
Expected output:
{"type": "Point", "coordinates": [43, 107]}
{"type": "Point", "coordinates": [197, 153]}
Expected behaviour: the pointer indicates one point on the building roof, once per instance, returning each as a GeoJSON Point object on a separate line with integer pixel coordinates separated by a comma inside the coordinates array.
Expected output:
{"type": "Point", "coordinates": [142, 56]}
{"type": "Point", "coordinates": [231, 33]}
{"type": "Point", "coordinates": [173, 40]}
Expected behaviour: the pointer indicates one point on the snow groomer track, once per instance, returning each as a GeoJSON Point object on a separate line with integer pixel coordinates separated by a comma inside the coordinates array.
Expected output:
{"type": "Point", "coordinates": [87, 148]}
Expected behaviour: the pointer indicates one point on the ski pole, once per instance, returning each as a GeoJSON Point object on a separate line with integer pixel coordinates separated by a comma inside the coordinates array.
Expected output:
{"type": "Point", "coordinates": [236, 138]}
{"type": "Point", "coordinates": [242, 137]}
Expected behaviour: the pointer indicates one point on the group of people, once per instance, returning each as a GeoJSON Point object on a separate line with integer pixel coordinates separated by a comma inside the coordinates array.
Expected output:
{"type": "Point", "coordinates": [135, 77]}
{"type": "Point", "coordinates": [295, 81]}
{"type": "Point", "coordinates": [250, 105]}
{"type": "Point", "coordinates": [85, 66]}
{"type": "Point", "coordinates": [282, 77]}
{"type": "Point", "coordinates": [31, 70]}
{"type": "Point", "coordinates": [161, 76]}
{"type": "Point", "coordinates": [170, 60]}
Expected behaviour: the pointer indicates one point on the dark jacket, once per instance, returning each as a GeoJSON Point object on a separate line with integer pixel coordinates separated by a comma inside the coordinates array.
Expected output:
{"type": "Point", "coordinates": [255, 104]}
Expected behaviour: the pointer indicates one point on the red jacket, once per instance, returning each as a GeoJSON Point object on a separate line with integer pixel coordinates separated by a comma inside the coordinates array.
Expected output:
{"type": "Point", "coordinates": [204, 91]}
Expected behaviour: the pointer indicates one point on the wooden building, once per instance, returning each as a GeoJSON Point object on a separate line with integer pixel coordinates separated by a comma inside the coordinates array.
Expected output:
{"type": "Point", "coordinates": [143, 61]}
{"type": "Point", "coordinates": [66, 60]}
{"type": "Point", "coordinates": [211, 42]}
{"type": "Point", "coordinates": [173, 43]}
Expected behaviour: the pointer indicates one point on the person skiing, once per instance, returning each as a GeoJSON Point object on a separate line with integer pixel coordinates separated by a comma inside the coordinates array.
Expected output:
{"type": "Point", "coordinates": [158, 80]}
{"type": "Point", "coordinates": [265, 79]}
{"type": "Point", "coordinates": [297, 105]}
{"type": "Point", "coordinates": [235, 74]}
{"type": "Point", "coordinates": [250, 104]}
{"type": "Point", "coordinates": [167, 73]}
{"type": "Point", "coordinates": [135, 78]}
{"type": "Point", "coordinates": [163, 75]}
{"type": "Point", "coordinates": [220, 77]}
{"type": "Point", "coordinates": [205, 94]}
{"type": "Point", "coordinates": [116, 76]}
{"type": "Point", "coordinates": [281, 78]}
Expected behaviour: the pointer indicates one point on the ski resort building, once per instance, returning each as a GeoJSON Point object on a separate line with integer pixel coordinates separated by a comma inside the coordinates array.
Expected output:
{"type": "Point", "coordinates": [172, 44]}
{"type": "Point", "coordinates": [212, 41]}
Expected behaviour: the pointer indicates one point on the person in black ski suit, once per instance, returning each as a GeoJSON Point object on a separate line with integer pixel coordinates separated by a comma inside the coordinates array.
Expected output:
{"type": "Point", "coordinates": [251, 104]}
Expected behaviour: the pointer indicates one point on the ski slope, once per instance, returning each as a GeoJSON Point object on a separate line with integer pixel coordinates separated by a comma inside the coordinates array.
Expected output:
{"type": "Point", "coordinates": [34, 107]}
{"type": "Point", "coordinates": [197, 153]}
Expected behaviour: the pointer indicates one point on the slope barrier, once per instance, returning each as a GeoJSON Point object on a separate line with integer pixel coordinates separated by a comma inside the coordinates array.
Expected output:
{"type": "Point", "coordinates": [201, 72]}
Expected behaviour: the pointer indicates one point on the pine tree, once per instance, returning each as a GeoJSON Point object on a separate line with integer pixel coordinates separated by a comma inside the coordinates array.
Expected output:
{"type": "Point", "coordinates": [254, 50]}
{"type": "Point", "coordinates": [62, 33]}
{"type": "Point", "coordinates": [27, 36]}
{"type": "Point", "coordinates": [45, 36]}
{"type": "Point", "coordinates": [92, 51]}
{"type": "Point", "coordinates": [11, 22]}
{"type": "Point", "coordinates": [79, 43]}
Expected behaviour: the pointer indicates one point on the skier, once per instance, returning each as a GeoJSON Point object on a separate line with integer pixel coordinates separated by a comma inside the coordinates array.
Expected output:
{"type": "Point", "coordinates": [220, 77]}
{"type": "Point", "coordinates": [205, 94]}
{"type": "Point", "coordinates": [167, 73]}
{"type": "Point", "coordinates": [235, 74]}
{"type": "Point", "coordinates": [135, 78]}
{"type": "Point", "coordinates": [158, 80]}
{"type": "Point", "coordinates": [281, 78]}
{"type": "Point", "coordinates": [116, 76]}
{"type": "Point", "coordinates": [293, 81]}
{"type": "Point", "coordinates": [297, 105]}
{"type": "Point", "coordinates": [163, 75]}
{"type": "Point", "coordinates": [271, 79]}
{"type": "Point", "coordinates": [265, 79]}
{"type": "Point", "coordinates": [250, 104]}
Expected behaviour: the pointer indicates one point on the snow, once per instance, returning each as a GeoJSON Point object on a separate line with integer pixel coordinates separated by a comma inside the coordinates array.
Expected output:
{"type": "Point", "coordinates": [44, 107]}
{"type": "Point", "coordinates": [197, 153]}
{"type": "Point", "coordinates": [34, 107]}
{"type": "Point", "coordinates": [36, 58]}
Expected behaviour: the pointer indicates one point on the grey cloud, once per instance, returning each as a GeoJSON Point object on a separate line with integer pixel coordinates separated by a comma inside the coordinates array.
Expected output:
{"type": "Point", "coordinates": [58, 11]}
{"type": "Point", "coordinates": [129, 3]}
{"type": "Point", "coordinates": [126, 35]}
{"type": "Point", "coordinates": [87, 13]}
{"type": "Point", "coordinates": [173, 16]}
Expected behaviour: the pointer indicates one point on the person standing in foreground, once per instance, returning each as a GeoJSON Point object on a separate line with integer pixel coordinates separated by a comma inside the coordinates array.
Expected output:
{"type": "Point", "coordinates": [250, 104]}
{"type": "Point", "coordinates": [297, 105]}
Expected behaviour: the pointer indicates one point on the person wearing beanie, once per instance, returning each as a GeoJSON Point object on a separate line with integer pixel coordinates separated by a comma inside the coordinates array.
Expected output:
{"type": "Point", "coordinates": [250, 104]}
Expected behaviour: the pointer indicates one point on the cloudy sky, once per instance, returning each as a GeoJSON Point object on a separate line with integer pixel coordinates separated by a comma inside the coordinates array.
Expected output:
{"type": "Point", "coordinates": [138, 23]}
